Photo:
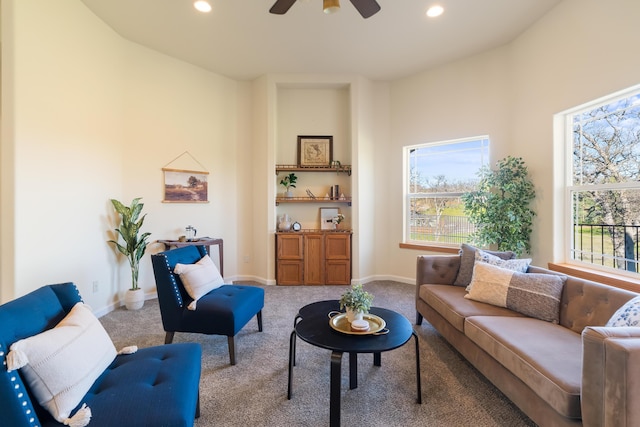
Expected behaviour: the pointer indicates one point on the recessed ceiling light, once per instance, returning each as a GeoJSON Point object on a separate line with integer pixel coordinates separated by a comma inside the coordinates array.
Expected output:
{"type": "Point", "coordinates": [202, 6]}
{"type": "Point", "coordinates": [434, 11]}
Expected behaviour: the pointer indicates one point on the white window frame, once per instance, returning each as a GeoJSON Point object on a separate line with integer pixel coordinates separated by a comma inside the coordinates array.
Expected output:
{"type": "Point", "coordinates": [563, 131]}
{"type": "Point", "coordinates": [406, 227]}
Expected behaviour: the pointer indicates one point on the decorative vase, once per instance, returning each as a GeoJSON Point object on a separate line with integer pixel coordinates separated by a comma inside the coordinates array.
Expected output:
{"type": "Point", "coordinates": [285, 223]}
{"type": "Point", "coordinates": [354, 315]}
{"type": "Point", "coordinates": [134, 299]}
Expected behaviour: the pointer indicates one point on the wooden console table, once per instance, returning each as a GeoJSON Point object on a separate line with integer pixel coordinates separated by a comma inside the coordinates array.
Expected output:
{"type": "Point", "coordinates": [203, 241]}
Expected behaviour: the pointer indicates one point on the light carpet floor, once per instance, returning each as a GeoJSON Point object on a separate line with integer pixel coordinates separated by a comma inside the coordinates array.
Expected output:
{"type": "Point", "coordinates": [254, 391]}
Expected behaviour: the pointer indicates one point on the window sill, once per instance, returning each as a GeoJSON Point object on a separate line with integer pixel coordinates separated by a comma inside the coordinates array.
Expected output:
{"type": "Point", "coordinates": [611, 279]}
{"type": "Point", "coordinates": [431, 248]}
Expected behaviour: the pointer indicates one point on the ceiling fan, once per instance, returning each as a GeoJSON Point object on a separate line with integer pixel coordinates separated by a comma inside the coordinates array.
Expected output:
{"type": "Point", "coordinates": [367, 8]}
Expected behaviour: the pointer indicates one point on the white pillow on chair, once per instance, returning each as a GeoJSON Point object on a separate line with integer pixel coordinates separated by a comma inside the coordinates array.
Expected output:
{"type": "Point", "coordinates": [61, 364]}
{"type": "Point", "coordinates": [199, 279]}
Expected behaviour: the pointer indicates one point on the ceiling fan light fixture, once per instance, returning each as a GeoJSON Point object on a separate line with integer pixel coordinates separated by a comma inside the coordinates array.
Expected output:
{"type": "Point", "coordinates": [202, 6]}
{"type": "Point", "coordinates": [331, 6]}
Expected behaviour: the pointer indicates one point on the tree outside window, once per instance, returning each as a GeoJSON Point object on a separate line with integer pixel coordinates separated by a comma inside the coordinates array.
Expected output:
{"type": "Point", "coordinates": [605, 183]}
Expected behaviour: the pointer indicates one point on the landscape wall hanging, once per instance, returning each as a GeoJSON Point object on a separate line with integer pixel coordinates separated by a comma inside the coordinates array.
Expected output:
{"type": "Point", "coordinates": [184, 185]}
{"type": "Point", "coordinates": [315, 151]}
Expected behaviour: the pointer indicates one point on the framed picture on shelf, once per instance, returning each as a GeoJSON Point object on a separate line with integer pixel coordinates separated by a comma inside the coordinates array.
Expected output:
{"type": "Point", "coordinates": [315, 151]}
{"type": "Point", "coordinates": [326, 216]}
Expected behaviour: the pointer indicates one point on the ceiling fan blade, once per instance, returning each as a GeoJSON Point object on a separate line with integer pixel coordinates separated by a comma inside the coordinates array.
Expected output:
{"type": "Point", "coordinates": [280, 7]}
{"type": "Point", "coordinates": [367, 8]}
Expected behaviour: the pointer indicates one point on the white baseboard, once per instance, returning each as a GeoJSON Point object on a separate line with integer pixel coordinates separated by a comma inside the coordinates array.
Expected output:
{"type": "Point", "coordinates": [374, 278]}
{"type": "Point", "coordinates": [109, 308]}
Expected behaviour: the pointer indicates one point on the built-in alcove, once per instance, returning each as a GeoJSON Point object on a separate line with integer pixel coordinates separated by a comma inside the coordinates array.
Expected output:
{"type": "Point", "coordinates": [318, 110]}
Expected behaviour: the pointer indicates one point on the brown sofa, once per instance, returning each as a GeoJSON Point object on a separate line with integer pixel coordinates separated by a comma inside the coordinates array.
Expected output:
{"type": "Point", "coordinates": [577, 372]}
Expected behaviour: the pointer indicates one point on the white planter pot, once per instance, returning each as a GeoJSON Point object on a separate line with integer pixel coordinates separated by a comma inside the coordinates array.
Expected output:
{"type": "Point", "coordinates": [354, 315]}
{"type": "Point", "coordinates": [134, 299]}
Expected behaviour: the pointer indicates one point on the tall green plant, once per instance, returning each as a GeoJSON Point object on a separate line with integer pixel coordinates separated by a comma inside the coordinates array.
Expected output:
{"type": "Point", "coordinates": [499, 208]}
{"type": "Point", "coordinates": [135, 245]}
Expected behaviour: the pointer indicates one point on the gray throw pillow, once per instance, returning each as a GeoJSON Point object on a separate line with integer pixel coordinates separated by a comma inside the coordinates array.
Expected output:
{"type": "Point", "coordinates": [468, 258]}
{"type": "Point", "coordinates": [532, 294]}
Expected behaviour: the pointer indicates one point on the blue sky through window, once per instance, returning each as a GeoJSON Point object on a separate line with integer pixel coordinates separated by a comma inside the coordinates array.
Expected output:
{"type": "Point", "coordinates": [456, 160]}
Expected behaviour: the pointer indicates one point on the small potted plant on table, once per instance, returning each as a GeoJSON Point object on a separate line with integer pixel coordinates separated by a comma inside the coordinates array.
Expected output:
{"type": "Point", "coordinates": [357, 302]}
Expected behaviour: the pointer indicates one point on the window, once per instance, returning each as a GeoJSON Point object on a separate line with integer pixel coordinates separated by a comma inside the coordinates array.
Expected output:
{"type": "Point", "coordinates": [604, 182]}
{"type": "Point", "coordinates": [436, 175]}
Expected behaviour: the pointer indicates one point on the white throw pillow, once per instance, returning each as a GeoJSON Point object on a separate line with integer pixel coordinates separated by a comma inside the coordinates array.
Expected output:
{"type": "Point", "coordinates": [61, 364]}
{"type": "Point", "coordinates": [199, 279]}
{"type": "Point", "coordinates": [520, 265]}
{"type": "Point", "coordinates": [627, 315]}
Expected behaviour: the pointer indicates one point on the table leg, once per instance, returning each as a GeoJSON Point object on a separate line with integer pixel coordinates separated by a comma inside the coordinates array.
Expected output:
{"type": "Point", "coordinates": [353, 370]}
{"type": "Point", "coordinates": [418, 382]}
{"type": "Point", "coordinates": [334, 400]}
{"type": "Point", "coordinates": [377, 359]}
{"type": "Point", "coordinates": [292, 356]}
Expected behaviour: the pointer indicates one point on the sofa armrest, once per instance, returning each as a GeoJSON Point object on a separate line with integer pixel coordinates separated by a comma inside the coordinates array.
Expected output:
{"type": "Point", "coordinates": [610, 376]}
{"type": "Point", "coordinates": [436, 270]}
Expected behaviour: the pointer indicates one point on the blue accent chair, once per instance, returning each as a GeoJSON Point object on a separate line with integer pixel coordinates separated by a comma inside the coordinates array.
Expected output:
{"type": "Point", "coordinates": [156, 386]}
{"type": "Point", "coordinates": [223, 311]}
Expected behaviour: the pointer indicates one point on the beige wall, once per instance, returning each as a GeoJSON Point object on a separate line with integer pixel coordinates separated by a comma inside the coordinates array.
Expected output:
{"type": "Point", "coordinates": [581, 50]}
{"type": "Point", "coordinates": [87, 116]}
{"type": "Point", "coordinates": [94, 117]}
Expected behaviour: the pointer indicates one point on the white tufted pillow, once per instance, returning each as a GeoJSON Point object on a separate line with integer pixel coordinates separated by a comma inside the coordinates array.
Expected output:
{"type": "Point", "coordinates": [61, 364]}
{"type": "Point", "coordinates": [199, 279]}
{"type": "Point", "coordinates": [627, 315]}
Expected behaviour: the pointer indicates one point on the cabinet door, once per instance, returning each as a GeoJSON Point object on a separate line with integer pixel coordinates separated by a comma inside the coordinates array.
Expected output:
{"type": "Point", "coordinates": [289, 246]}
{"type": "Point", "coordinates": [338, 259]}
{"type": "Point", "coordinates": [289, 262]}
{"type": "Point", "coordinates": [289, 273]}
{"type": "Point", "coordinates": [338, 272]}
{"type": "Point", "coordinates": [314, 259]}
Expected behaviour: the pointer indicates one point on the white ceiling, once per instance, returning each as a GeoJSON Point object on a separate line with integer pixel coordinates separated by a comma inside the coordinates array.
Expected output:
{"type": "Point", "coordinates": [242, 40]}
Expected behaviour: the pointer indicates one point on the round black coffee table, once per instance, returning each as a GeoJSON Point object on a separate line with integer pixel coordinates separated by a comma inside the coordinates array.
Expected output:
{"type": "Point", "coordinates": [314, 328]}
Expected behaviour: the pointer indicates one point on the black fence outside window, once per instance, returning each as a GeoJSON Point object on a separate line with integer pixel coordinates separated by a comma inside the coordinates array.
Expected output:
{"type": "Point", "coordinates": [452, 229]}
{"type": "Point", "coordinates": [614, 246]}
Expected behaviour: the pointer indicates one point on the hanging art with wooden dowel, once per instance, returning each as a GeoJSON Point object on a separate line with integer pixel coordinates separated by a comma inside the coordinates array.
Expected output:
{"type": "Point", "coordinates": [182, 185]}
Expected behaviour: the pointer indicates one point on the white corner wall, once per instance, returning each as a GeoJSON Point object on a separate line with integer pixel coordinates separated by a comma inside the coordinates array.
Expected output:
{"type": "Point", "coordinates": [579, 51]}
{"type": "Point", "coordinates": [95, 117]}
{"type": "Point", "coordinates": [61, 66]}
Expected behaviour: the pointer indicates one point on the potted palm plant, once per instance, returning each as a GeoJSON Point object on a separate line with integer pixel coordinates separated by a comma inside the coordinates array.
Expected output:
{"type": "Point", "coordinates": [357, 302]}
{"type": "Point", "coordinates": [135, 245]}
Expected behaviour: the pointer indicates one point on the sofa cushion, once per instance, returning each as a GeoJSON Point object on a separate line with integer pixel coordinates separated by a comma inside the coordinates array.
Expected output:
{"type": "Point", "coordinates": [448, 301]}
{"type": "Point", "coordinates": [60, 364]}
{"type": "Point", "coordinates": [199, 279]}
{"type": "Point", "coordinates": [468, 258]}
{"type": "Point", "coordinates": [551, 367]}
{"type": "Point", "coordinates": [627, 315]}
{"type": "Point", "coordinates": [534, 295]}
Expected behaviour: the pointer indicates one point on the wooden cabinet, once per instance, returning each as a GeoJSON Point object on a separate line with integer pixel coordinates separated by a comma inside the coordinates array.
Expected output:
{"type": "Point", "coordinates": [290, 259]}
{"type": "Point", "coordinates": [337, 258]}
{"type": "Point", "coordinates": [313, 258]}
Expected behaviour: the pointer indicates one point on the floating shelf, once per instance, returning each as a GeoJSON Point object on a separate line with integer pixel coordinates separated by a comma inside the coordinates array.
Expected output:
{"type": "Point", "coordinates": [279, 200]}
{"type": "Point", "coordinates": [296, 168]}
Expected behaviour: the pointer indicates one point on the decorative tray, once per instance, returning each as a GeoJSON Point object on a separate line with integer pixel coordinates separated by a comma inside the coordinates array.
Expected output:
{"type": "Point", "coordinates": [340, 323]}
